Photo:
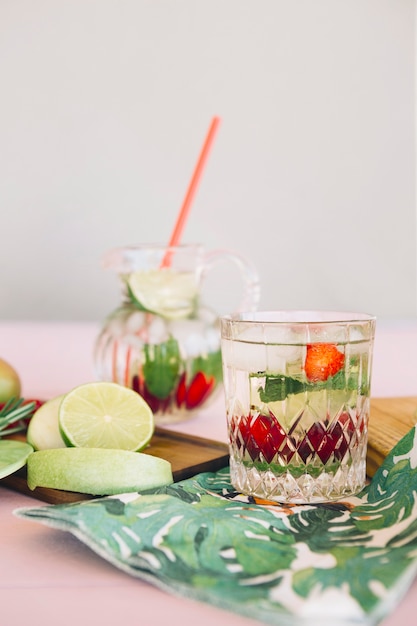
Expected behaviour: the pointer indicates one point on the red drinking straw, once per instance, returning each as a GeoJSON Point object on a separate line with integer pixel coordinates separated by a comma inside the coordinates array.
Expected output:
{"type": "Point", "coordinates": [192, 188]}
{"type": "Point", "coordinates": [176, 233]}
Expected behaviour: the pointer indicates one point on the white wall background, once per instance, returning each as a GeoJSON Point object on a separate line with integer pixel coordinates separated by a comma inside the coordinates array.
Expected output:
{"type": "Point", "coordinates": [104, 105]}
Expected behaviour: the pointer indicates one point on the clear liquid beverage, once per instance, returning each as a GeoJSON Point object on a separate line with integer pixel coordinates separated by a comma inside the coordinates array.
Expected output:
{"type": "Point", "coordinates": [161, 340]}
{"type": "Point", "coordinates": [297, 390]}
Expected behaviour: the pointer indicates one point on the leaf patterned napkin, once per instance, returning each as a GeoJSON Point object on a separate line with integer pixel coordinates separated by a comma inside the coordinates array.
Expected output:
{"type": "Point", "coordinates": [346, 562]}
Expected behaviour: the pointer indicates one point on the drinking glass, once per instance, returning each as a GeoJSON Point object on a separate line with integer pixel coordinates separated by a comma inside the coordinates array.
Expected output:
{"type": "Point", "coordinates": [297, 392]}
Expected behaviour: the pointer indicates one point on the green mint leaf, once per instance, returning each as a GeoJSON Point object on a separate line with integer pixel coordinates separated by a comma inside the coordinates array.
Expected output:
{"type": "Point", "coordinates": [339, 381]}
{"type": "Point", "coordinates": [161, 368]}
{"type": "Point", "coordinates": [210, 365]}
{"type": "Point", "coordinates": [277, 387]}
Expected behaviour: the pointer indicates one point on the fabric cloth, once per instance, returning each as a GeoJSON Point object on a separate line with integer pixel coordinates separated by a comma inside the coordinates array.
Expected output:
{"type": "Point", "coordinates": [345, 562]}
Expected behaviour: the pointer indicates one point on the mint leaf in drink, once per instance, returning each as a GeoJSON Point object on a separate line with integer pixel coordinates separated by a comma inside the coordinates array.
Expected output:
{"type": "Point", "coordinates": [349, 380]}
{"type": "Point", "coordinates": [277, 387]}
{"type": "Point", "coordinates": [210, 365]}
{"type": "Point", "coordinates": [161, 368]}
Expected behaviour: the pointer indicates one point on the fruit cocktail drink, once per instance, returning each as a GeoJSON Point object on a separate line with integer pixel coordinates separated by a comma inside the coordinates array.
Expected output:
{"type": "Point", "coordinates": [297, 390]}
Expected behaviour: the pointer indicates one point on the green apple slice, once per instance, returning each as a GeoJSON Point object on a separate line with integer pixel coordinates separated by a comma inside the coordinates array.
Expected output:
{"type": "Point", "coordinates": [13, 456]}
{"type": "Point", "coordinates": [43, 431]}
{"type": "Point", "coordinates": [97, 471]}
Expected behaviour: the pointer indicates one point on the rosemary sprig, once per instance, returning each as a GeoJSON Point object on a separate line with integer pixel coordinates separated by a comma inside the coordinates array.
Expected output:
{"type": "Point", "coordinates": [13, 415]}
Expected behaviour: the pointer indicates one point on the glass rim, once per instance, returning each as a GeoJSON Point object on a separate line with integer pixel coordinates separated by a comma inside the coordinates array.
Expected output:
{"type": "Point", "coordinates": [124, 259]}
{"type": "Point", "coordinates": [298, 316]}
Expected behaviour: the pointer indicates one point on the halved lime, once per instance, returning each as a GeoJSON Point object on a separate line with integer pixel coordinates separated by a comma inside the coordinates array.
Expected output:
{"type": "Point", "coordinates": [43, 431]}
{"type": "Point", "coordinates": [97, 471]}
{"type": "Point", "coordinates": [13, 456]}
{"type": "Point", "coordinates": [105, 415]}
{"type": "Point", "coordinates": [165, 292]}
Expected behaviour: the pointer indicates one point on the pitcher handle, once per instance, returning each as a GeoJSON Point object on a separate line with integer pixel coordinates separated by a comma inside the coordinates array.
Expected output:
{"type": "Point", "coordinates": [251, 284]}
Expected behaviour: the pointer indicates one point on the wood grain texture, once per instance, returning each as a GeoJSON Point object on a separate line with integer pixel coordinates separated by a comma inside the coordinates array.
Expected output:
{"type": "Point", "coordinates": [390, 420]}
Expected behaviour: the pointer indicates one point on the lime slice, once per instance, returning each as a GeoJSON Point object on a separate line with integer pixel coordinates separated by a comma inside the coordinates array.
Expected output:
{"type": "Point", "coordinates": [105, 415]}
{"type": "Point", "coordinates": [13, 456]}
{"type": "Point", "coordinates": [43, 431]}
{"type": "Point", "coordinates": [96, 471]}
{"type": "Point", "coordinates": [164, 292]}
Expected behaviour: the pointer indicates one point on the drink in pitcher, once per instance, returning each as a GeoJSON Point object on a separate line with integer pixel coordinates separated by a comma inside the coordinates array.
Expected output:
{"type": "Point", "coordinates": [297, 389]}
{"type": "Point", "coordinates": [162, 340]}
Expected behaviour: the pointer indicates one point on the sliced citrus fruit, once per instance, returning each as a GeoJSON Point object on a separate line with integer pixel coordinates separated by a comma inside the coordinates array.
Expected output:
{"type": "Point", "coordinates": [43, 431]}
{"type": "Point", "coordinates": [13, 456]}
{"type": "Point", "coordinates": [97, 471]}
{"type": "Point", "coordinates": [165, 292]}
{"type": "Point", "coordinates": [105, 415]}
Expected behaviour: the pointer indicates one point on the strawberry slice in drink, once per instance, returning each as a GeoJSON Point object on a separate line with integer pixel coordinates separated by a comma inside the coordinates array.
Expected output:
{"type": "Point", "coordinates": [322, 360]}
{"type": "Point", "coordinates": [156, 404]}
{"type": "Point", "coordinates": [262, 436]}
{"type": "Point", "coordinates": [323, 443]}
{"type": "Point", "coordinates": [181, 392]}
{"type": "Point", "coordinates": [328, 441]}
{"type": "Point", "coordinates": [196, 392]}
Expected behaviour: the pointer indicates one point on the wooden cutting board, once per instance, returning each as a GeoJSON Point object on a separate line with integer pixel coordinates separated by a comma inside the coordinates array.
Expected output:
{"type": "Point", "coordinates": [187, 454]}
{"type": "Point", "coordinates": [390, 420]}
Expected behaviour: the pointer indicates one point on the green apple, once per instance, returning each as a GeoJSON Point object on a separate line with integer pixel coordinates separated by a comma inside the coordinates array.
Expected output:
{"type": "Point", "coordinates": [9, 382]}
{"type": "Point", "coordinates": [43, 430]}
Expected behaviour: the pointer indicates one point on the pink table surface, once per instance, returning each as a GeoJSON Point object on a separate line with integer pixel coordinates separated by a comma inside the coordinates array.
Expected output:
{"type": "Point", "coordinates": [47, 576]}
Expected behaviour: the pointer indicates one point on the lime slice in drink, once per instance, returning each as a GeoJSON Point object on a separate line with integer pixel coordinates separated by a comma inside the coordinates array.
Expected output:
{"type": "Point", "coordinates": [13, 456]}
{"type": "Point", "coordinates": [105, 415]}
{"type": "Point", "coordinates": [164, 292]}
{"type": "Point", "coordinates": [43, 431]}
{"type": "Point", "coordinates": [97, 471]}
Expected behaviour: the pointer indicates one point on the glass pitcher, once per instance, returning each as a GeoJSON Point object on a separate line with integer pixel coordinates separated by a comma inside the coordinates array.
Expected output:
{"type": "Point", "coordinates": [161, 341]}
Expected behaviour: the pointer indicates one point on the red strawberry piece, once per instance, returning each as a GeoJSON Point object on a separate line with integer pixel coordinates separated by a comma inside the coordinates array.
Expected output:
{"type": "Point", "coordinates": [156, 404]}
{"type": "Point", "coordinates": [263, 437]}
{"type": "Point", "coordinates": [135, 383]}
{"type": "Point", "coordinates": [325, 442]}
{"type": "Point", "coordinates": [311, 442]}
{"type": "Point", "coordinates": [346, 423]}
{"type": "Point", "coordinates": [199, 390]}
{"type": "Point", "coordinates": [181, 392]}
{"type": "Point", "coordinates": [350, 424]}
{"type": "Point", "coordinates": [340, 441]}
{"type": "Point", "coordinates": [191, 397]}
{"type": "Point", "coordinates": [322, 360]}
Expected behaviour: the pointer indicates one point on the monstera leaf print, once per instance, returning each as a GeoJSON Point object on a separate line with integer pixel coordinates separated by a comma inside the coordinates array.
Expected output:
{"type": "Point", "coordinates": [341, 562]}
